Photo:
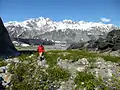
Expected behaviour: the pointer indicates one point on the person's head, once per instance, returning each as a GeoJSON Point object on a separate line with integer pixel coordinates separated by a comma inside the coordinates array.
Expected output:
{"type": "Point", "coordinates": [40, 45]}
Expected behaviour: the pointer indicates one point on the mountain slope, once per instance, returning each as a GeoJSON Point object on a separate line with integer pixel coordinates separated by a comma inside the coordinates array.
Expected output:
{"type": "Point", "coordinates": [66, 30]}
{"type": "Point", "coordinates": [110, 43]}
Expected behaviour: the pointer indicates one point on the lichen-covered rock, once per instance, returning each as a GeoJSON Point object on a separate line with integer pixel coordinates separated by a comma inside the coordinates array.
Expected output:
{"type": "Point", "coordinates": [105, 70]}
{"type": "Point", "coordinates": [73, 67]}
{"type": "Point", "coordinates": [68, 85]}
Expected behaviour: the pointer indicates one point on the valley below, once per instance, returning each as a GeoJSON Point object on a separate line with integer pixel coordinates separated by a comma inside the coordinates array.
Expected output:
{"type": "Point", "coordinates": [47, 47]}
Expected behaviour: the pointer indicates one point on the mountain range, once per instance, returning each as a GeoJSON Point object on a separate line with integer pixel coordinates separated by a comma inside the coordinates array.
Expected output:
{"type": "Point", "coordinates": [66, 30]}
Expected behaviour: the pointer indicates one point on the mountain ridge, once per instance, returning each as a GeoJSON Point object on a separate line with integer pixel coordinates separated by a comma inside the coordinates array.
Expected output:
{"type": "Point", "coordinates": [66, 30]}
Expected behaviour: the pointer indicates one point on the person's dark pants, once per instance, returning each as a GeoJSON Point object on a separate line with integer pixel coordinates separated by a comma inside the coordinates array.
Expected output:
{"type": "Point", "coordinates": [42, 56]}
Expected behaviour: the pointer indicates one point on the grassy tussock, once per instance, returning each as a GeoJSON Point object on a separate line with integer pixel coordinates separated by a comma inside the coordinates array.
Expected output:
{"type": "Point", "coordinates": [51, 56]}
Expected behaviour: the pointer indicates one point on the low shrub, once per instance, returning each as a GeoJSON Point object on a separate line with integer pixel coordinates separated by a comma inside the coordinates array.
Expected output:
{"type": "Point", "coordinates": [56, 73]}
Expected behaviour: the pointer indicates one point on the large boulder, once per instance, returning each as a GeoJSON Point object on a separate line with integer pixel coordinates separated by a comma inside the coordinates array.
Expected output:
{"type": "Point", "coordinates": [6, 46]}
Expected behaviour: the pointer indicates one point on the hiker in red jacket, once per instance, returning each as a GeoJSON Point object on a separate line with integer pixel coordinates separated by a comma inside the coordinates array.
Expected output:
{"type": "Point", "coordinates": [41, 51]}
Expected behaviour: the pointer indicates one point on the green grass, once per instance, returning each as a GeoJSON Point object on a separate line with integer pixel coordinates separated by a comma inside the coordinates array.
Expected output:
{"type": "Point", "coordinates": [111, 58]}
{"type": "Point", "coordinates": [28, 57]}
{"type": "Point", "coordinates": [85, 79]}
{"type": "Point", "coordinates": [3, 63]}
{"type": "Point", "coordinates": [51, 56]}
{"type": "Point", "coordinates": [33, 77]}
{"type": "Point", "coordinates": [24, 75]}
{"type": "Point", "coordinates": [58, 74]}
{"type": "Point", "coordinates": [88, 80]}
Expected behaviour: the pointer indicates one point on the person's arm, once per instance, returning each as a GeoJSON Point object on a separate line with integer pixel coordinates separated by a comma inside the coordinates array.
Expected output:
{"type": "Point", "coordinates": [43, 49]}
{"type": "Point", "coordinates": [38, 48]}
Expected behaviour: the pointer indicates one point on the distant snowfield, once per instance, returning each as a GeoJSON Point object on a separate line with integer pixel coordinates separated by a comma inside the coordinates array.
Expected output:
{"type": "Point", "coordinates": [66, 30]}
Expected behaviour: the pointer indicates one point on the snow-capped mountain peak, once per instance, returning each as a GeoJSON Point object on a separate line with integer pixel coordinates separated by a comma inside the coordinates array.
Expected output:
{"type": "Point", "coordinates": [40, 27]}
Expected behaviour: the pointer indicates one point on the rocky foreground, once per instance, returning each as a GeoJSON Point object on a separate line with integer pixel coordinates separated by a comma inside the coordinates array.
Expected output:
{"type": "Point", "coordinates": [62, 70]}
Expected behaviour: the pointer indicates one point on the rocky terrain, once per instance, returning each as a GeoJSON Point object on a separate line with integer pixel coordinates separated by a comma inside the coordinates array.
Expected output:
{"type": "Point", "coordinates": [62, 70]}
{"type": "Point", "coordinates": [110, 43]}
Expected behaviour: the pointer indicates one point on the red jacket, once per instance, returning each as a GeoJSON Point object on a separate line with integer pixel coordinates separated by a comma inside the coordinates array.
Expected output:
{"type": "Point", "coordinates": [40, 49]}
